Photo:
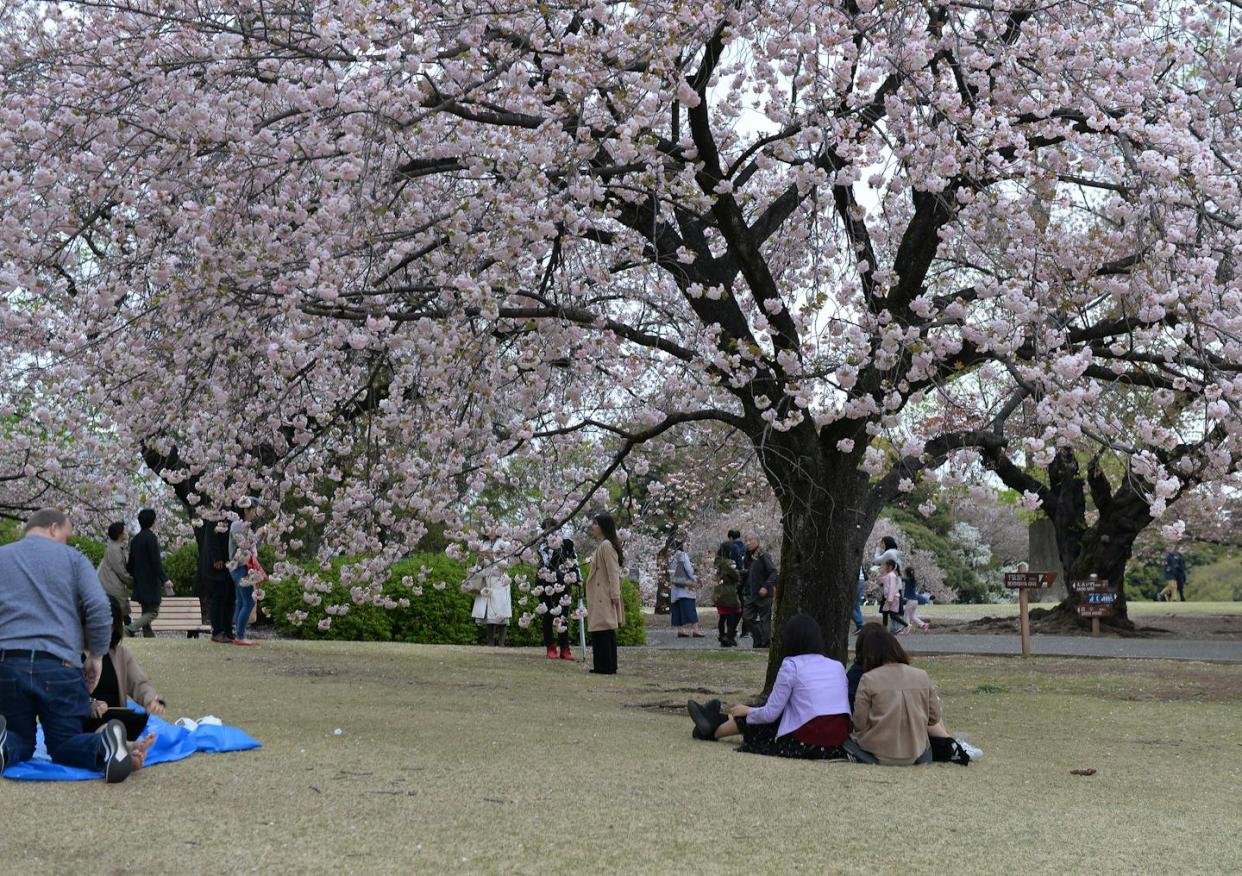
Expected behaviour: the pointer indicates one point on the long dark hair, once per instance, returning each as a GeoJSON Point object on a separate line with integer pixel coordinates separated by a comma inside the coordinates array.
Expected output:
{"type": "Point", "coordinates": [878, 647]}
{"type": "Point", "coordinates": [910, 575]}
{"type": "Point", "coordinates": [890, 543]}
{"type": "Point", "coordinates": [725, 551]}
{"type": "Point", "coordinates": [608, 526]}
{"type": "Point", "coordinates": [118, 623]}
{"type": "Point", "coordinates": [801, 635]}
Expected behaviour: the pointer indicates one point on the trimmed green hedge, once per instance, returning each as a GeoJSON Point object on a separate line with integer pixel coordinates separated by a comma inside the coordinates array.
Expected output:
{"type": "Point", "coordinates": [439, 616]}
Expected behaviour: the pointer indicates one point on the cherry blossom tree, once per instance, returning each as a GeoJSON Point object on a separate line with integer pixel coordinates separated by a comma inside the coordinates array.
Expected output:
{"type": "Point", "coordinates": [374, 255]}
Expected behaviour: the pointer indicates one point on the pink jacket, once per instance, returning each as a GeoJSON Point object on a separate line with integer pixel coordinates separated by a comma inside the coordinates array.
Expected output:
{"type": "Point", "coordinates": [891, 586]}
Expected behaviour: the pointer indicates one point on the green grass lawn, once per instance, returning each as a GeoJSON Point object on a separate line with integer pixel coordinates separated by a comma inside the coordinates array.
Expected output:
{"type": "Point", "coordinates": [457, 760]}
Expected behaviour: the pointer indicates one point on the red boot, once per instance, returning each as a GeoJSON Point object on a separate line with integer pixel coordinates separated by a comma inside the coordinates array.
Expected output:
{"type": "Point", "coordinates": [566, 654]}
{"type": "Point", "coordinates": [551, 652]}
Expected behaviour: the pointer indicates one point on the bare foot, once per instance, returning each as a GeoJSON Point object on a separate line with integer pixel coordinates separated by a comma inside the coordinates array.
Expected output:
{"type": "Point", "coordinates": [138, 750]}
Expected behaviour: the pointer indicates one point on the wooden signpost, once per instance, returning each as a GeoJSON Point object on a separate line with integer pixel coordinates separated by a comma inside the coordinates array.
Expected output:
{"type": "Point", "coordinates": [1097, 600]}
{"type": "Point", "coordinates": [1022, 582]}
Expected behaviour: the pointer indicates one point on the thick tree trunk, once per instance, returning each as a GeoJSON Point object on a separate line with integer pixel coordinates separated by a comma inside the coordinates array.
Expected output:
{"type": "Point", "coordinates": [664, 593]}
{"type": "Point", "coordinates": [825, 524]}
{"type": "Point", "coordinates": [1101, 549]}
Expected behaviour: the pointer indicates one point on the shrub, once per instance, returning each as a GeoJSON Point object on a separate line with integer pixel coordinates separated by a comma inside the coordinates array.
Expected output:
{"type": "Point", "coordinates": [439, 616]}
{"type": "Point", "coordinates": [181, 566]}
{"type": "Point", "coordinates": [94, 550]}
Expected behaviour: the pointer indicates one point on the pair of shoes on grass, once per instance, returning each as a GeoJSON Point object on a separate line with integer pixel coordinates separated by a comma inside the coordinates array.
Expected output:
{"type": "Point", "coordinates": [706, 717]}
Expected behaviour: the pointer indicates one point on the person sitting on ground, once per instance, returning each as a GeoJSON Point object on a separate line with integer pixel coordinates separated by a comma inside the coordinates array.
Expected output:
{"type": "Point", "coordinates": [897, 714]}
{"type": "Point", "coordinates": [50, 591]}
{"type": "Point", "coordinates": [121, 679]}
{"type": "Point", "coordinates": [728, 605]}
{"type": "Point", "coordinates": [806, 715]}
{"type": "Point", "coordinates": [113, 575]}
{"type": "Point", "coordinates": [862, 646]}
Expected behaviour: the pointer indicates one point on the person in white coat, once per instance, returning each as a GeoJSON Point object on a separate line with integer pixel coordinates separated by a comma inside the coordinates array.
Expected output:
{"type": "Point", "coordinates": [493, 604]}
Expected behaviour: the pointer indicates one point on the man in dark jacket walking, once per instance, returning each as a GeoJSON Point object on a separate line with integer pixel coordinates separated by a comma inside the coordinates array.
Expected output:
{"type": "Point", "coordinates": [216, 588]}
{"type": "Point", "coordinates": [147, 568]}
{"type": "Point", "coordinates": [761, 578]}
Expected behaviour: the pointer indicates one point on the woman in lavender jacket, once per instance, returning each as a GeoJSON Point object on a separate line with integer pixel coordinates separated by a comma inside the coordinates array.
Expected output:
{"type": "Point", "coordinates": [807, 713]}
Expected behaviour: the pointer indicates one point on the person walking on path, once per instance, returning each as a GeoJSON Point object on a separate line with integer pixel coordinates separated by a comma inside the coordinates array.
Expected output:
{"type": "Point", "coordinates": [50, 591]}
{"type": "Point", "coordinates": [725, 596]}
{"type": "Point", "coordinates": [112, 571]}
{"type": "Point", "coordinates": [685, 614]}
{"type": "Point", "coordinates": [888, 550]}
{"type": "Point", "coordinates": [151, 582]}
{"type": "Point", "coordinates": [1174, 577]}
{"type": "Point", "coordinates": [737, 549]}
{"type": "Point", "coordinates": [761, 577]}
{"type": "Point", "coordinates": [890, 605]}
{"type": "Point", "coordinates": [558, 572]}
{"type": "Point", "coordinates": [605, 610]}
{"type": "Point", "coordinates": [215, 580]}
{"type": "Point", "coordinates": [244, 565]}
{"type": "Point", "coordinates": [859, 593]}
{"type": "Point", "coordinates": [911, 595]}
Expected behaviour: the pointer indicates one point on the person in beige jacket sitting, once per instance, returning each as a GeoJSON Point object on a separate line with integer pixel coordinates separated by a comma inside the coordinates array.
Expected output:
{"type": "Point", "coordinates": [897, 714]}
{"type": "Point", "coordinates": [605, 611]}
{"type": "Point", "coordinates": [122, 679]}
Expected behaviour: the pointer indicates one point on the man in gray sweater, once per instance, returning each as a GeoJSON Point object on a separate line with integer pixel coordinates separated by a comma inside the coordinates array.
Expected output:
{"type": "Point", "coordinates": [47, 591]}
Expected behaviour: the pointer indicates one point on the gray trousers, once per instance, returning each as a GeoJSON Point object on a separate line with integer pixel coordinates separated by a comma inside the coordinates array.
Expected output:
{"type": "Point", "coordinates": [143, 621]}
{"type": "Point", "coordinates": [758, 615]}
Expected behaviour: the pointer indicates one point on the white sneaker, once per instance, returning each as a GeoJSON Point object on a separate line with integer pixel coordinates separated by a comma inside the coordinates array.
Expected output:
{"type": "Point", "coordinates": [975, 753]}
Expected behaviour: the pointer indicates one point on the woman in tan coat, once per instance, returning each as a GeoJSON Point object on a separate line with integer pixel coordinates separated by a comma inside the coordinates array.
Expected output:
{"type": "Point", "coordinates": [113, 575]}
{"type": "Point", "coordinates": [605, 611]}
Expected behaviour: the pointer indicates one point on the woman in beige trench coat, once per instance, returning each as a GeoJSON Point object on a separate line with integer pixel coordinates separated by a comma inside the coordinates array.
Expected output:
{"type": "Point", "coordinates": [605, 611]}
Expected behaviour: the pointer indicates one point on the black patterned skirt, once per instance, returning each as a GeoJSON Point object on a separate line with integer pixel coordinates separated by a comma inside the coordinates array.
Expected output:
{"type": "Point", "coordinates": [762, 739]}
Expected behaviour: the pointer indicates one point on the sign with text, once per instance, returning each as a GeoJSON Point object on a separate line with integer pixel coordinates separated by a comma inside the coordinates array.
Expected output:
{"type": "Point", "coordinates": [1029, 580]}
{"type": "Point", "coordinates": [1097, 597]}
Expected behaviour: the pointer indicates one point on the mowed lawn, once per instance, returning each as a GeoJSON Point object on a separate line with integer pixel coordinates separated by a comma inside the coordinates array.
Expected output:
{"type": "Point", "coordinates": [457, 760]}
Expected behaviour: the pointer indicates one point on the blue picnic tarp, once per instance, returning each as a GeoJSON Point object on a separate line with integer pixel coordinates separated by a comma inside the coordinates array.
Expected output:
{"type": "Point", "coordinates": [171, 743]}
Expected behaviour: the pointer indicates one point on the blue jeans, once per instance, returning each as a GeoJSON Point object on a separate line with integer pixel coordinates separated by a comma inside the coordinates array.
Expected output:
{"type": "Point", "coordinates": [33, 684]}
{"type": "Point", "coordinates": [245, 601]}
{"type": "Point", "coordinates": [858, 601]}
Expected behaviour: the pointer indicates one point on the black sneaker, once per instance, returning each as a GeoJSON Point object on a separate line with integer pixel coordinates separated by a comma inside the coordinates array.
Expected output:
{"type": "Point", "coordinates": [118, 763]}
{"type": "Point", "coordinates": [4, 732]}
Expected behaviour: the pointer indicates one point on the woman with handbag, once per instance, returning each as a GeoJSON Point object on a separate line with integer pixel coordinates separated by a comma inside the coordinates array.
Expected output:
{"type": "Point", "coordinates": [685, 615]}
{"type": "Point", "coordinates": [244, 565]}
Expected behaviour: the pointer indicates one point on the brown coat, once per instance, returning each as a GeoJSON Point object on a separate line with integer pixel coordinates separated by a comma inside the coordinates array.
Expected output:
{"type": "Point", "coordinates": [605, 610]}
{"type": "Point", "coordinates": [894, 707]}
{"type": "Point", "coordinates": [131, 680]}
{"type": "Point", "coordinates": [113, 575]}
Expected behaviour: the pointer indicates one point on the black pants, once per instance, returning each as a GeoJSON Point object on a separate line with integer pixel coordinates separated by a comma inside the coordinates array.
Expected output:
{"type": "Point", "coordinates": [550, 635]}
{"type": "Point", "coordinates": [604, 649]}
{"type": "Point", "coordinates": [727, 627]}
{"type": "Point", "coordinates": [1181, 589]}
{"type": "Point", "coordinates": [760, 616]}
{"type": "Point", "coordinates": [223, 606]}
{"type": "Point", "coordinates": [892, 619]}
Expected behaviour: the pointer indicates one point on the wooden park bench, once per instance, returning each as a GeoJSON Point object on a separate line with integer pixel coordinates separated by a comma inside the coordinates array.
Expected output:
{"type": "Point", "coordinates": [178, 614]}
